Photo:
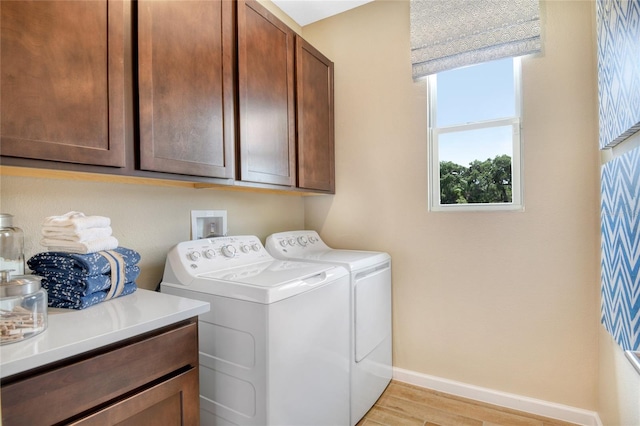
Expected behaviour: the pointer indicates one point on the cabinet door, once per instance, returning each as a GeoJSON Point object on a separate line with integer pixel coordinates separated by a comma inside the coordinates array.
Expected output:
{"type": "Point", "coordinates": [185, 71]}
{"type": "Point", "coordinates": [266, 96]}
{"type": "Point", "coordinates": [62, 81]}
{"type": "Point", "coordinates": [171, 402]}
{"type": "Point", "coordinates": [314, 91]}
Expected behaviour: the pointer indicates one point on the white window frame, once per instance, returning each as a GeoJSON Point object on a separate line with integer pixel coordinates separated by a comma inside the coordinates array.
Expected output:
{"type": "Point", "coordinates": [517, 196]}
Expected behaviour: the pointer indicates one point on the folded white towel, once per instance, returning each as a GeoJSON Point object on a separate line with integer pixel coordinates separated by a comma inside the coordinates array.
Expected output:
{"type": "Point", "coordinates": [68, 234]}
{"type": "Point", "coordinates": [93, 246]}
{"type": "Point", "coordinates": [77, 221]}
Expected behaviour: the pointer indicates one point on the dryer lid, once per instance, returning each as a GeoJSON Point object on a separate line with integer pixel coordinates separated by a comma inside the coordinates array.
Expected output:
{"type": "Point", "coordinates": [308, 246]}
{"type": "Point", "coordinates": [350, 259]}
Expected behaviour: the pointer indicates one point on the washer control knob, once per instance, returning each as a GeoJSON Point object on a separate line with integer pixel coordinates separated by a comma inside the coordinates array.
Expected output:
{"type": "Point", "coordinates": [312, 239]}
{"type": "Point", "coordinates": [283, 243]}
{"type": "Point", "coordinates": [193, 256]}
{"type": "Point", "coordinates": [255, 247]}
{"type": "Point", "coordinates": [245, 248]}
{"type": "Point", "coordinates": [302, 241]}
{"type": "Point", "coordinates": [209, 253]}
{"type": "Point", "coordinates": [292, 241]}
{"type": "Point", "coordinates": [229, 251]}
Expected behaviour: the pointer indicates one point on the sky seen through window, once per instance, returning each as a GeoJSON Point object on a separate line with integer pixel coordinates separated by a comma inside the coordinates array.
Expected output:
{"type": "Point", "coordinates": [474, 94]}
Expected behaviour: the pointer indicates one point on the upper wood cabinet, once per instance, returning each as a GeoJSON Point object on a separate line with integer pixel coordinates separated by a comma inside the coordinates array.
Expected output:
{"type": "Point", "coordinates": [266, 96]}
{"type": "Point", "coordinates": [186, 87]}
{"type": "Point", "coordinates": [62, 81]}
{"type": "Point", "coordinates": [218, 91]}
{"type": "Point", "coordinates": [315, 120]}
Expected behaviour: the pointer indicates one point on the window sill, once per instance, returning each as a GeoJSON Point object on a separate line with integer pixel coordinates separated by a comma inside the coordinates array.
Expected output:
{"type": "Point", "coordinates": [477, 207]}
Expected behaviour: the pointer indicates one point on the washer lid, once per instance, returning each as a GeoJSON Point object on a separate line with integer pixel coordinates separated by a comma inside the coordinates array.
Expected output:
{"type": "Point", "coordinates": [264, 282]}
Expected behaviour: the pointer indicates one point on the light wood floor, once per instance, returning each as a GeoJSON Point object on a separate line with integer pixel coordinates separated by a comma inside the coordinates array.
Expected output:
{"type": "Point", "coordinates": [402, 404]}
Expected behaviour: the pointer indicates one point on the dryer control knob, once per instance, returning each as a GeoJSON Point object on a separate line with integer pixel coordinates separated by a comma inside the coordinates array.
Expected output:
{"type": "Point", "coordinates": [255, 247]}
{"type": "Point", "coordinates": [303, 241]}
{"type": "Point", "coordinates": [229, 251]}
{"type": "Point", "coordinates": [283, 243]}
{"type": "Point", "coordinates": [209, 254]}
{"type": "Point", "coordinates": [292, 241]}
{"type": "Point", "coordinates": [193, 256]}
{"type": "Point", "coordinates": [312, 239]}
{"type": "Point", "coordinates": [245, 248]}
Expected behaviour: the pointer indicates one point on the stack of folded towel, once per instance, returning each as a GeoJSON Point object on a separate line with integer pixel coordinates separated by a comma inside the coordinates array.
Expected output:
{"type": "Point", "coordinates": [77, 281]}
{"type": "Point", "coordinates": [84, 264]}
{"type": "Point", "coordinates": [76, 233]}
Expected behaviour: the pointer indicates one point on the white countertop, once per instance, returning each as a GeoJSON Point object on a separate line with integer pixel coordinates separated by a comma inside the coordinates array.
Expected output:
{"type": "Point", "coordinates": [72, 332]}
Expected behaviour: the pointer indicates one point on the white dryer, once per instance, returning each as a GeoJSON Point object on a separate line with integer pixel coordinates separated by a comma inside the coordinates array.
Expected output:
{"type": "Point", "coordinates": [370, 323]}
{"type": "Point", "coordinates": [274, 348]}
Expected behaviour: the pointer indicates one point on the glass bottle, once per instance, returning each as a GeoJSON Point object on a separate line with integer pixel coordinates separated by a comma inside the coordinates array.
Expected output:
{"type": "Point", "coordinates": [11, 246]}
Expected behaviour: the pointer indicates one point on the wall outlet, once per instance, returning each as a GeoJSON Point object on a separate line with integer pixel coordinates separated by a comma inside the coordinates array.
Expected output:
{"type": "Point", "coordinates": [208, 224]}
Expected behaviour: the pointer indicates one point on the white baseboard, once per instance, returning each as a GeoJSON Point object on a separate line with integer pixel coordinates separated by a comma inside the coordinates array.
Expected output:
{"type": "Point", "coordinates": [503, 399]}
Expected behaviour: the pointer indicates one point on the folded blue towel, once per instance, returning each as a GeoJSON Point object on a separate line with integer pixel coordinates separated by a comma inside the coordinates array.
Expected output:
{"type": "Point", "coordinates": [81, 284]}
{"type": "Point", "coordinates": [60, 300]}
{"type": "Point", "coordinates": [89, 264]}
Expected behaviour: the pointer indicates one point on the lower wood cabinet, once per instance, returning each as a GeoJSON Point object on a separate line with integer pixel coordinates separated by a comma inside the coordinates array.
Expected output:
{"type": "Point", "coordinates": [146, 380]}
{"type": "Point", "coordinates": [171, 402]}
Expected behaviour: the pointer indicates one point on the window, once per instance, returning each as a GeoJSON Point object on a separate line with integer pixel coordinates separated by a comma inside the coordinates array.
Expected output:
{"type": "Point", "coordinates": [474, 137]}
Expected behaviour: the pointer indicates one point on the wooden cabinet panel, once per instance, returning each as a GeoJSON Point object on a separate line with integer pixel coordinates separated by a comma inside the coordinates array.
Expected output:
{"type": "Point", "coordinates": [314, 95]}
{"type": "Point", "coordinates": [68, 390]}
{"type": "Point", "coordinates": [186, 89]}
{"type": "Point", "coordinates": [266, 96]}
{"type": "Point", "coordinates": [173, 402]}
{"type": "Point", "coordinates": [62, 81]}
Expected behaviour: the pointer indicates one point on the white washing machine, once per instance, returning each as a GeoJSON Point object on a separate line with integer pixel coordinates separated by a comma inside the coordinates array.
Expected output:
{"type": "Point", "coordinates": [370, 277]}
{"type": "Point", "coordinates": [274, 348]}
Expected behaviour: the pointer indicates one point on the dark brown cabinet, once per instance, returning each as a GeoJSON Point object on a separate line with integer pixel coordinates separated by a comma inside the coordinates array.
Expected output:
{"type": "Point", "coordinates": [266, 96]}
{"type": "Point", "coordinates": [186, 87]}
{"type": "Point", "coordinates": [315, 120]}
{"type": "Point", "coordinates": [62, 81]}
{"type": "Point", "coordinates": [163, 404]}
{"type": "Point", "coordinates": [208, 91]}
{"type": "Point", "coordinates": [151, 379]}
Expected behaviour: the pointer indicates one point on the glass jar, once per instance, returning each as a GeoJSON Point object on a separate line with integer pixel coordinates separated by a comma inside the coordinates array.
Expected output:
{"type": "Point", "coordinates": [11, 246]}
{"type": "Point", "coordinates": [23, 307]}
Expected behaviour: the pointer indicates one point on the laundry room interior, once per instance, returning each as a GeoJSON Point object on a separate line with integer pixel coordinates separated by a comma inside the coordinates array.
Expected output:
{"type": "Point", "coordinates": [499, 306]}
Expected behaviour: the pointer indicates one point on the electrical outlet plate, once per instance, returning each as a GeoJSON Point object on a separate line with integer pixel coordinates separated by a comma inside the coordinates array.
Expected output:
{"type": "Point", "coordinates": [208, 224]}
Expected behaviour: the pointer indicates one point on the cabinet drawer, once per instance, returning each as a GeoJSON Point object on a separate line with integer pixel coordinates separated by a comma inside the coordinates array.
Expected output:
{"type": "Point", "coordinates": [172, 402]}
{"type": "Point", "coordinates": [68, 390]}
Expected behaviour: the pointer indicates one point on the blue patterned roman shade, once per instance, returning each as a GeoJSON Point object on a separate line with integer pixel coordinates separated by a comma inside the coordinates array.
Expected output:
{"type": "Point", "coordinates": [618, 29]}
{"type": "Point", "coordinates": [447, 34]}
{"type": "Point", "coordinates": [620, 221]}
